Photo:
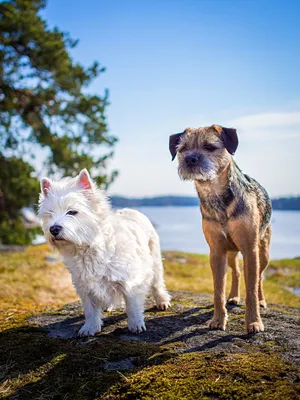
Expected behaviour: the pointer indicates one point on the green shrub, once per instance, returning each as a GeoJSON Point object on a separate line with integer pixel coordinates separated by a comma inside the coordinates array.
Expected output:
{"type": "Point", "coordinates": [18, 189]}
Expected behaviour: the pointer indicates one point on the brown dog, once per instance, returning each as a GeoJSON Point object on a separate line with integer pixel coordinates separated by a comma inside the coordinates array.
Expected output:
{"type": "Point", "coordinates": [236, 213]}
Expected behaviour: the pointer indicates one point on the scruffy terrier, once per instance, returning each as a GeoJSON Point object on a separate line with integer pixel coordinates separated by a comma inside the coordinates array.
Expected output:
{"type": "Point", "coordinates": [236, 213]}
{"type": "Point", "coordinates": [112, 255]}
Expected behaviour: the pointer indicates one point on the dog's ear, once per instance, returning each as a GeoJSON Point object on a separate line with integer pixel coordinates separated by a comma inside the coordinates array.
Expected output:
{"type": "Point", "coordinates": [229, 137]}
{"type": "Point", "coordinates": [231, 140]}
{"type": "Point", "coordinates": [85, 181]}
{"type": "Point", "coordinates": [45, 186]}
{"type": "Point", "coordinates": [173, 143]}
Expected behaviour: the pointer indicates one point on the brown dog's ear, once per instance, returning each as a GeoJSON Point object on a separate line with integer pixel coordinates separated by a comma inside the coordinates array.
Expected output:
{"type": "Point", "coordinates": [231, 140]}
{"type": "Point", "coordinates": [229, 137]}
{"type": "Point", "coordinates": [174, 142]}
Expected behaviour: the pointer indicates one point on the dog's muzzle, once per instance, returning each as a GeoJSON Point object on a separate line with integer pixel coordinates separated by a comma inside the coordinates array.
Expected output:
{"type": "Point", "coordinates": [55, 230]}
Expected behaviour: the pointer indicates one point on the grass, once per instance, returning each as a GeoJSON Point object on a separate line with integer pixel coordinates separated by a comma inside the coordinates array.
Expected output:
{"type": "Point", "coordinates": [192, 272]}
{"type": "Point", "coordinates": [34, 366]}
{"type": "Point", "coordinates": [27, 275]}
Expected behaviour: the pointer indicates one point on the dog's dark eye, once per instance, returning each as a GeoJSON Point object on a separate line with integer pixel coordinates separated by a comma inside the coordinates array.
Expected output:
{"type": "Point", "coordinates": [209, 147]}
{"type": "Point", "coordinates": [72, 212]}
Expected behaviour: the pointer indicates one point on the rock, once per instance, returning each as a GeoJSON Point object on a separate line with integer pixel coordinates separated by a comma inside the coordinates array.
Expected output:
{"type": "Point", "coordinates": [121, 365]}
{"type": "Point", "coordinates": [8, 248]}
{"type": "Point", "coordinates": [178, 357]}
{"type": "Point", "coordinates": [52, 258]}
{"type": "Point", "coordinates": [186, 322]}
{"type": "Point", "coordinates": [29, 217]}
{"type": "Point", "coordinates": [295, 290]}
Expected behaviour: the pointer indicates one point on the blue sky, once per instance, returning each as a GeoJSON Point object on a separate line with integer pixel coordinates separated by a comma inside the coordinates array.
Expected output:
{"type": "Point", "coordinates": [178, 63]}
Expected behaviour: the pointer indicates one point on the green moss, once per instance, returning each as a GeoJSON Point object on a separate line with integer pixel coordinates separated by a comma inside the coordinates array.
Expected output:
{"type": "Point", "coordinates": [270, 343]}
{"type": "Point", "coordinates": [206, 376]}
{"type": "Point", "coordinates": [33, 365]}
{"type": "Point", "coordinates": [239, 317]}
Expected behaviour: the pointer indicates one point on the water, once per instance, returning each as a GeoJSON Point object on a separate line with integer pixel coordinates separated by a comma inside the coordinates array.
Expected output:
{"type": "Point", "coordinates": [180, 229]}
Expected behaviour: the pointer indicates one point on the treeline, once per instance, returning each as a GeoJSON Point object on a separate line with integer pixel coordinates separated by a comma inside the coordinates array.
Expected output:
{"type": "Point", "coordinates": [160, 201]}
{"type": "Point", "coordinates": [284, 203]}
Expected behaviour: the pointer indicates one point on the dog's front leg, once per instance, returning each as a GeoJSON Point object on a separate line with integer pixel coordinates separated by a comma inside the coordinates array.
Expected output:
{"type": "Point", "coordinates": [244, 233]}
{"type": "Point", "coordinates": [93, 317]}
{"type": "Point", "coordinates": [251, 270]}
{"type": "Point", "coordinates": [218, 262]}
{"type": "Point", "coordinates": [135, 312]}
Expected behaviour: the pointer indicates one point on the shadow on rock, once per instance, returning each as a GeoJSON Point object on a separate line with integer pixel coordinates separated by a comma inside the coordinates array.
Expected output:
{"type": "Point", "coordinates": [47, 360]}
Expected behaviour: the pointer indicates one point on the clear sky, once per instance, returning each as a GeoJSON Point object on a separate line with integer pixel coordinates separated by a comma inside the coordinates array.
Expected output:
{"type": "Point", "coordinates": [178, 63]}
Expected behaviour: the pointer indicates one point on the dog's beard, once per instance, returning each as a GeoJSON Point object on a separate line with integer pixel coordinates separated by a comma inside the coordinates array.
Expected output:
{"type": "Point", "coordinates": [75, 232]}
{"type": "Point", "coordinates": [204, 172]}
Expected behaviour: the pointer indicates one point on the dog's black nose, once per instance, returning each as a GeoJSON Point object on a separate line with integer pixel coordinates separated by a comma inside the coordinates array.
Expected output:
{"type": "Point", "coordinates": [55, 229]}
{"type": "Point", "coordinates": [191, 160]}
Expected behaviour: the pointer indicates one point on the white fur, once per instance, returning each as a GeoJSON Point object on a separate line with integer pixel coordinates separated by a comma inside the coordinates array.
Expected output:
{"type": "Point", "coordinates": [112, 255]}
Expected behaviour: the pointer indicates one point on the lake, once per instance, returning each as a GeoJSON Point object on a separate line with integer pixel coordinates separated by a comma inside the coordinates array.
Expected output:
{"type": "Point", "coordinates": [180, 229]}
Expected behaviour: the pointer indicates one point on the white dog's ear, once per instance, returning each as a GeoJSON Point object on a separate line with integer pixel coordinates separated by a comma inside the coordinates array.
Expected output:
{"type": "Point", "coordinates": [45, 186]}
{"type": "Point", "coordinates": [85, 181]}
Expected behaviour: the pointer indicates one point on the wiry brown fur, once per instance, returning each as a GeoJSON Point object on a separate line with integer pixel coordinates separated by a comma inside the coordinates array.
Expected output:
{"type": "Point", "coordinates": [236, 213]}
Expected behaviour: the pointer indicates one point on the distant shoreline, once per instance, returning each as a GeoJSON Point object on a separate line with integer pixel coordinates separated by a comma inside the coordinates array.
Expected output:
{"type": "Point", "coordinates": [283, 203]}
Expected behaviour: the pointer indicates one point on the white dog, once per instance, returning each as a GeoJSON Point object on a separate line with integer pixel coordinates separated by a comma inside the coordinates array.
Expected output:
{"type": "Point", "coordinates": [112, 255]}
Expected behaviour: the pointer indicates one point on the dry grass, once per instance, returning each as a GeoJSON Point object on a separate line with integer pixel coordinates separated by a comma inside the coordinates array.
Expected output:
{"type": "Point", "coordinates": [26, 277]}
{"type": "Point", "coordinates": [192, 272]}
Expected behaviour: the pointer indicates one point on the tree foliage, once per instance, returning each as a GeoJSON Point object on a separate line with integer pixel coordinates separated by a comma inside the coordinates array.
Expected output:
{"type": "Point", "coordinates": [18, 189]}
{"type": "Point", "coordinates": [43, 98]}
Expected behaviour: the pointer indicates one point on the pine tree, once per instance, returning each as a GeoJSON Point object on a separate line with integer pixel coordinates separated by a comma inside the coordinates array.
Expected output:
{"type": "Point", "coordinates": [44, 102]}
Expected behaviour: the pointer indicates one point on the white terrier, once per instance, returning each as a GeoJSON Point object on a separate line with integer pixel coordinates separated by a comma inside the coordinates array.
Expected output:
{"type": "Point", "coordinates": [112, 255]}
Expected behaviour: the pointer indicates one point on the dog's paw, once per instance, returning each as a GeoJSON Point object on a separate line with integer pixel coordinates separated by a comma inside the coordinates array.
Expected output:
{"type": "Point", "coordinates": [164, 305]}
{"type": "Point", "coordinates": [233, 301]}
{"type": "Point", "coordinates": [162, 300]}
{"type": "Point", "coordinates": [262, 303]}
{"type": "Point", "coordinates": [136, 326]}
{"type": "Point", "coordinates": [218, 322]}
{"type": "Point", "coordinates": [89, 329]}
{"type": "Point", "coordinates": [255, 327]}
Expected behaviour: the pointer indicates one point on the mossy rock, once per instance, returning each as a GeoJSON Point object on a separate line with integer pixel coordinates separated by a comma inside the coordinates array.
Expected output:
{"type": "Point", "coordinates": [178, 357]}
{"type": "Point", "coordinates": [211, 376]}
